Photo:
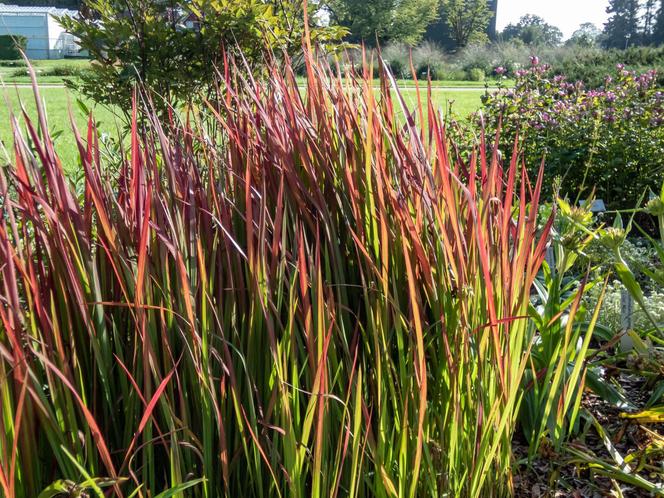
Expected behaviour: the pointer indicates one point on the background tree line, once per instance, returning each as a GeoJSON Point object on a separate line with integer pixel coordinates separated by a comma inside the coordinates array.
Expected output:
{"type": "Point", "coordinates": [634, 22]}
{"type": "Point", "coordinates": [174, 46]}
{"type": "Point", "coordinates": [454, 24]}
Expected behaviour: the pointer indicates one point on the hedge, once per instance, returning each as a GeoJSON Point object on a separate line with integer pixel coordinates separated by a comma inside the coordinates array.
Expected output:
{"type": "Point", "coordinates": [11, 46]}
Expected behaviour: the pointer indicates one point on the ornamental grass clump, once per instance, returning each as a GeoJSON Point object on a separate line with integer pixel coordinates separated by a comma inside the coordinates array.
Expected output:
{"type": "Point", "coordinates": [285, 293]}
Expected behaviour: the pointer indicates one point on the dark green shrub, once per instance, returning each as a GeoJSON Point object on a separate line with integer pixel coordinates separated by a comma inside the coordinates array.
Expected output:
{"type": "Point", "coordinates": [427, 58]}
{"type": "Point", "coordinates": [11, 46]}
{"type": "Point", "coordinates": [592, 65]}
{"type": "Point", "coordinates": [61, 70]}
{"type": "Point", "coordinates": [610, 139]}
{"type": "Point", "coordinates": [454, 74]}
{"type": "Point", "coordinates": [64, 70]}
{"type": "Point", "coordinates": [476, 74]}
{"type": "Point", "coordinates": [587, 64]}
{"type": "Point", "coordinates": [17, 73]}
{"type": "Point", "coordinates": [13, 63]}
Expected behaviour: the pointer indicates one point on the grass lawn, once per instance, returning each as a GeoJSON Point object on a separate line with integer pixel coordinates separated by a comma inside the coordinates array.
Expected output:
{"type": "Point", "coordinates": [49, 71]}
{"type": "Point", "coordinates": [463, 102]}
{"type": "Point", "coordinates": [463, 95]}
{"type": "Point", "coordinates": [458, 84]}
{"type": "Point", "coordinates": [58, 101]}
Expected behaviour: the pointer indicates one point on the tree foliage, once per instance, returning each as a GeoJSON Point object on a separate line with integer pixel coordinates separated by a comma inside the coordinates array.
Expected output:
{"type": "Point", "coordinates": [623, 26]}
{"type": "Point", "coordinates": [533, 30]}
{"type": "Point", "coordinates": [174, 47]}
{"type": "Point", "coordinates": [467, 20]}
{"type": "Point", "coordinates": [586, 36]}
{"type": "Point", "coordinates": [658, 28]}
{"type": "Point", "coordinates": [372, 21]}
{"type": "Point", "coordinates": [11, 46]}
{"type": "Point", "coordinates": [649, 19]}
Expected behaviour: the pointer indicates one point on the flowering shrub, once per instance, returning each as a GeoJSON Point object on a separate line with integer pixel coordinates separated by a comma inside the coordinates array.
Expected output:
{"type": "Point", "coordinates": [611, 138]}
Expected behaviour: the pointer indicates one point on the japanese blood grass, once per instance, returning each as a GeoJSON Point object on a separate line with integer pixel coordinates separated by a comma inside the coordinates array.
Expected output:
{"type": "Point", "coordinates": [313, 300]}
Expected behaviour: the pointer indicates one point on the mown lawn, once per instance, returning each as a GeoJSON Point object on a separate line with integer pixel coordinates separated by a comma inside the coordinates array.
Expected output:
{"type": "Point", "coordinates": [59, 100]}
{"type": "Point", "coordinates": [464, 97]}
{"type": "Point", "coordinates": [462, 102]}
{"type": "Point", "coordinates": [54, 71]}
{"type": "Point", "coordinates": [48, 71]}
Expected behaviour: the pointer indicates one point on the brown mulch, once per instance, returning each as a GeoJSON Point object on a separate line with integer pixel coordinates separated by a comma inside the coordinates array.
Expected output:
{"type": "Point", "coordinates": [553, 475]}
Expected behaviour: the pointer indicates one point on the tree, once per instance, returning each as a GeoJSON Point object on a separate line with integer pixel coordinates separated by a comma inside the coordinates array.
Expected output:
{"type": "Point", "coordinates": [658, 29]}
{"type": "Point", "coordinates": [649, 13]}
{"type": "Point", "coordinates": [622, 29]}
{"type": "Point", "coordinates": [493, 5]}
{"type": "Point", "coordinates": [533, 30]}
{"type": "Point", "coordinates": [467, 20]}
{"type": "Point", "coordinates": [369, 21]}
{"type": "Point", "coordinates": [11, 47]}
{"type": "Point", "coordinates": [174, 47]}
{"type": "Point", "coordinates": [587, 36]}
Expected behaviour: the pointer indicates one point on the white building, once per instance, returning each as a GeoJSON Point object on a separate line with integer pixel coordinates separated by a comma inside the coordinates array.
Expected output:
{"type": "Point", "coordinates": [46, 38]}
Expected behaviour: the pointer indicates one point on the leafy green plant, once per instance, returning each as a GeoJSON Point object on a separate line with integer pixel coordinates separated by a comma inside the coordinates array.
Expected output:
{"type": "Point", "coordinates": [466, 20]}
{"type": "Point", "coordinates": [532, 30]}
{"type": "Point", "coordinates": [556, 378]}
{"type": "Point", "coordinates": [429, 61]}
{"type": "Point", "coordinates": [64, 70]}
{"type": "Point", "coordinates": [611, 308]}
{"type": "Point", "coordinates": [174, 49]}
{"type": "Point", "coordinates": [397, 56]}
{"type": "Point", "coordinates": [650, 308]}
{"type": "Point", "coordinates": [476, 74]}
{"type": "Point", "coordinates": [12, 63]}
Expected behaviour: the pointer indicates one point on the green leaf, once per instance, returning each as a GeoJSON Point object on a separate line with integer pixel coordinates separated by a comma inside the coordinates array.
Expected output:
{"type": "Point", "coordinates": [84, 108]}
{"type": "Point", "coordinates": [628, 279]}
{"type": "Point", "coordinates": [179, 488]}
{"type": "Point", "coordinates": [606, 391]}
{"type": "Point", "coordinates": [650, 416]}
{"type": "Point", "coordinates": [59, 487]}
{"type": "Point", "coordinates": [656, 395]}
{"type": "Point", "coordinates": [618, 222]}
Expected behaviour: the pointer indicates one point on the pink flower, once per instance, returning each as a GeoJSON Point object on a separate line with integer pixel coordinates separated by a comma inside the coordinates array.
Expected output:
{"type": "Point", "coordinates": [534, 60]}
{"type": "Point", "coordinates": [500, 70]}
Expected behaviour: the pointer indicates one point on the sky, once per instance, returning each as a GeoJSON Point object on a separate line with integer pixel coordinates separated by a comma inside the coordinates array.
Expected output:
{"type": "Point", "coordinates": [565, 14]}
